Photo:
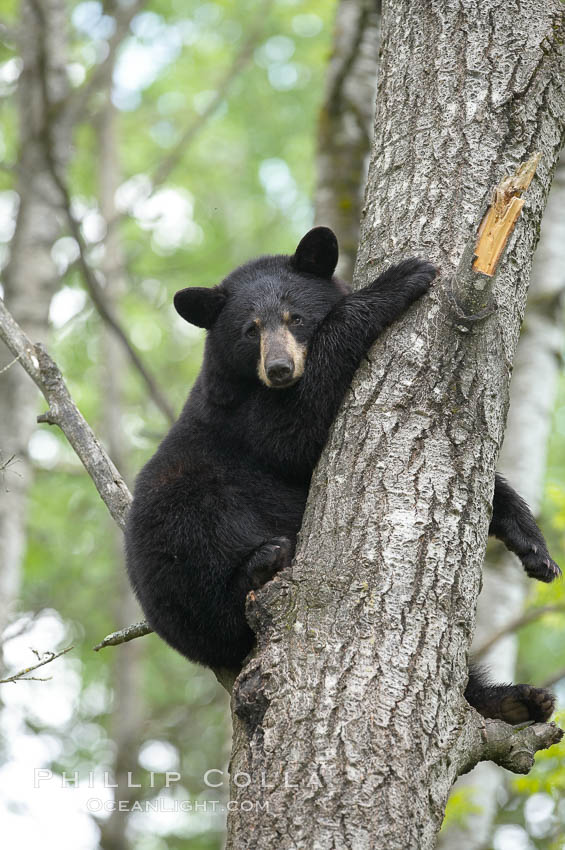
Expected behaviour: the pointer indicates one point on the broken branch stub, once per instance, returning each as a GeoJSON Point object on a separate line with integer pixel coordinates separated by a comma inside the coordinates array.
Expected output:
{"type": "Point", "coordinates": [501, 217]}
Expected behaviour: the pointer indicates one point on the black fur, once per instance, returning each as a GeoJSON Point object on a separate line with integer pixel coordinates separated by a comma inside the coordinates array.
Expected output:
{"type": "Point", "coordinates": [217, 509]}
{"type": "Point", "coordinates": [513, 523]}
{"type": "Point", "coordinates": [511, 703]}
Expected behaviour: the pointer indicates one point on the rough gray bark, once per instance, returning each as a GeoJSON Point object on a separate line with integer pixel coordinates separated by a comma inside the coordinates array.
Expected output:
{"type": "Point", "coordinates": [523, 461]}
{"type": "Point", "coordinates": [345, 126]}
{"type": "Point", "coordinates": [30, 278]}
{"type": "Point", "coordinates": [350, 723]}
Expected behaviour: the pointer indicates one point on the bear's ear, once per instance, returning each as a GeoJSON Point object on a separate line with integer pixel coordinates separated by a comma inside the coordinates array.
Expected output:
{"type": "Point", "coordinates": [199, 305]}
{"type": "Point", "coordinates": [317, 252]}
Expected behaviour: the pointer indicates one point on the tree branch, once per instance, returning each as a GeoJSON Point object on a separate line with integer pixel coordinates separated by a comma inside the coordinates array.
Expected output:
{"type": "Point", "coordinates": [64, 413]}
{"type": "Point", "coordinates": [167, 165]}
{"type": "Point", "coordinates": [510, 747]}
{"type": "Point", "coordinates": [124, 635]}
{"type": "Point", "coordinates": [502, 216]}
{"type": "Point", "coordinates": [77, 102]}
{"type": "Point", "coordinates": [518, 623]}
{"type": "Point", "coordinates": [96, 292]}
{"type": "Point", "coordinates": [22, 674]}
{"type": "Point", "coordinates": [471, 289]}
{"type": "Point", "coordinates": [106, 310]}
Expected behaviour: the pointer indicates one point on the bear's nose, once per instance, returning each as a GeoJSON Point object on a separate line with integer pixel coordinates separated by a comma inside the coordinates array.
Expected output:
{"type": "Point", "coordinates": [279, 371]}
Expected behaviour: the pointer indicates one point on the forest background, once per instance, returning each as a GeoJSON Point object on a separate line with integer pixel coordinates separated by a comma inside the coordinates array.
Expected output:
{"type": "Point", "coordinates": [194, 139]}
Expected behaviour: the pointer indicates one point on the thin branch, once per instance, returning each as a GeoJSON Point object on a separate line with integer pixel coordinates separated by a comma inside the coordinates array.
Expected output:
{"type": "Point", "coordinates": [9, 365]}
{"type": "Point", "coordinates": [241, 59]}
{"type": "Point", "coordinates": [22, 674]}
{"type": "Point", "coordinates": [124, 635]}
{"type": "Point", "coordinates": [104, 307]}
{"type": "Point", "coordinates": [96, 291]}
{"type": "Point", "coordinates": [77, 102]}
{"type": "Point", "coordinates": [226, 678]}
{"type": "Point", "coordinates": [518, 623]}
{"type": "Point", "coordinates": [164, 169]}
{"type": "Point", "coordinates": [554, 678]}
{"type": "Point", "coordinates": [64, 413]}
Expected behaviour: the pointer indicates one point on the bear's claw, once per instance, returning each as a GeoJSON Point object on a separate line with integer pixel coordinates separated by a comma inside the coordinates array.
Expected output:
{"type": "Point", "coordinates": [540, 566]}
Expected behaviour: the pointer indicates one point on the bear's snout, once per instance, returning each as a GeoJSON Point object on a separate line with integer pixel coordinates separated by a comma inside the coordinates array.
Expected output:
{"type": "Point", "coordinates": [281, 361]}
{"type": "Point", "coordinates": [280, 372]}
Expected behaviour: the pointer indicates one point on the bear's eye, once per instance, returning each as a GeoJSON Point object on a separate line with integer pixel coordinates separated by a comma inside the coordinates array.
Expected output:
{"type": "Point", "coordinates": [252, 331]}
{"type": "Point", "coordinates": [296, 320]}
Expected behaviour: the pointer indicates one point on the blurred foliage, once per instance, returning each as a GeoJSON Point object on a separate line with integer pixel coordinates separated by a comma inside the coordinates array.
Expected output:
{"type": "Point", "coordinates": [459, 806]}
{"type": "Point", "coordinates": [531, 808]}
{"type": "Point", "coordinates": [240, 188]}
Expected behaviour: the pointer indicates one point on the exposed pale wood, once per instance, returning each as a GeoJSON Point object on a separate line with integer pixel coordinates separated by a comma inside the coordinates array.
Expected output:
{"type": "Point", "coordinates": [502, 215]}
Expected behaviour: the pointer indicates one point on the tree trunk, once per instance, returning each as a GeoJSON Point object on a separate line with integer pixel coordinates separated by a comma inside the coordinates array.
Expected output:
{"type": "Point", "coordinates": [345, 126]}
{"type": "Point", "coordinates": [30, 278]}
{"type": "Point", "coordinates": [349, 723]}
{"type": "Point", "coordinates": [127, 706]}
{"type": "Point", "coordinates": [522, 461]}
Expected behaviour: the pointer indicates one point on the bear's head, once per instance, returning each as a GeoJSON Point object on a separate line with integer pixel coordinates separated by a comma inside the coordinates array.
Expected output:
{"type": "Point", "coordinates": [262, 316]}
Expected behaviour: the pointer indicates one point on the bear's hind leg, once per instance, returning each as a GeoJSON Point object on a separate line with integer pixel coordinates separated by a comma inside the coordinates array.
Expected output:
{"type": "Point", "coordinates": [511, 703]}
{"type": "Point", "coordinates": [267, 560]}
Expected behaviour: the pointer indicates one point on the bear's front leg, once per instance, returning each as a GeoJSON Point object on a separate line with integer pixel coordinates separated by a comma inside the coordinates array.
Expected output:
{"type": "Point", "coordinates": [513, 523]}
{"type": "Point", "coordinates": [340, 342]}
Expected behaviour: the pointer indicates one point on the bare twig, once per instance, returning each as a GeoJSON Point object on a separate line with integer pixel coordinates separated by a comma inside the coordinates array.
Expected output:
{"type": "Point", "coordinates": [106, 310]}
{"type": "Point", "coordinates": [241, 59]}
{"type": "Point", "coordinates": [9, 365]}
{"type": "Point", "coordinates": [518, 623]}
{"type": "Point", "coordinates": [124, 635]}
{"type": "Point", "coordinates": [22, 674]}
{"type": "Point", "coordinates": [225, 677]}
{"type": "Point", "coordinates": [64, 413]}
{"type": "Point", "coordinates": [554, 678]}
{"type": "Point", "coordinates": [78, 101]}
{"type": "Point", "coordinates": [96, 291]}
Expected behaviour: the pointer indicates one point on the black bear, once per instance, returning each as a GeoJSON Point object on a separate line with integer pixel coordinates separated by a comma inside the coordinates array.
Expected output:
{"type": "Point", "coordinates": [217, 509]}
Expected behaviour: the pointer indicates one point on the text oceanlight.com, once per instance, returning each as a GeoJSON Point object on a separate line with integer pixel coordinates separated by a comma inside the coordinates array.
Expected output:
{"type": "Point", "coordinates": [96, 804]}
